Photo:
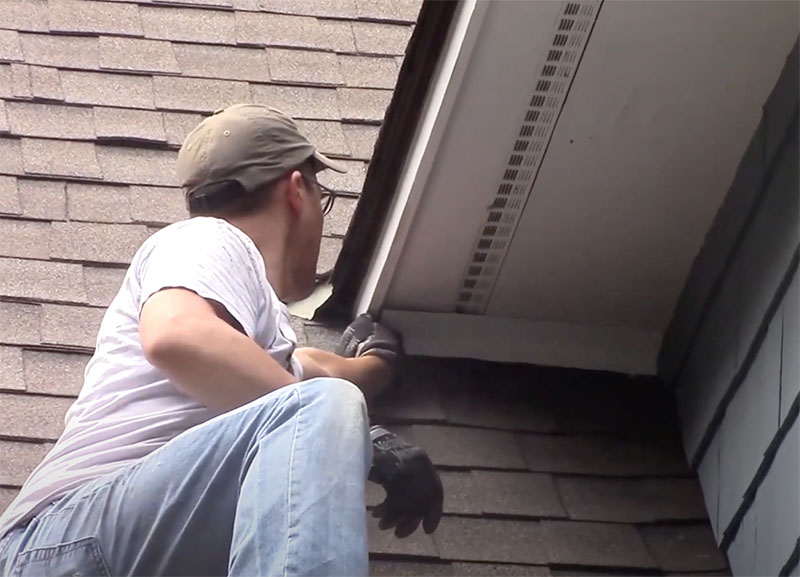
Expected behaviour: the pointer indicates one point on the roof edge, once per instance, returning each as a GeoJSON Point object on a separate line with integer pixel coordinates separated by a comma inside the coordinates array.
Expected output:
{"type": "Point", "coordinates": [394, 142]}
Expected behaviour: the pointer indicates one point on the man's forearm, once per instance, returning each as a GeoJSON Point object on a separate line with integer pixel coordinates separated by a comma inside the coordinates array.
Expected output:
{"type": "Point", "coordinates": [369, 373]}
{"type": "Point", "coordinates": [222, 368]}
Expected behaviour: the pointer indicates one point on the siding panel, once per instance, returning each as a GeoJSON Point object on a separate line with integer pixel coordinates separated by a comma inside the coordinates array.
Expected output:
{"type": "Point", "coordinates": [777, 507]}
{"type": "Point", "coordinates": [731, 350]}
{"type": "Point", "coordinates": [750, 423]}
{"type": "Point", "coordinates": [790, 367]}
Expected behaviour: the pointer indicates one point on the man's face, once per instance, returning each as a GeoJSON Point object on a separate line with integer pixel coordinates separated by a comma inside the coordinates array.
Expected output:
{"type": "Point", "coordinates": [307, 236]}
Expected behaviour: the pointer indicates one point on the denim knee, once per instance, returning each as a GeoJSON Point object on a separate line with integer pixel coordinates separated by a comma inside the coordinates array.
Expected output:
{"type": "Point", "coordinates": [339, 396]}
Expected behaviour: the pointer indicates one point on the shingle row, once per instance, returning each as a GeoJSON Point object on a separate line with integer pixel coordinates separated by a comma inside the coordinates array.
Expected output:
{"type": "Point", "coordinates": [293, 24]}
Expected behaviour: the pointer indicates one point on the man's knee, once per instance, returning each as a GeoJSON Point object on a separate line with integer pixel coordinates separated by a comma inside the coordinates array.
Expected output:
{"type": "Point", "coordinates": [339, 395]}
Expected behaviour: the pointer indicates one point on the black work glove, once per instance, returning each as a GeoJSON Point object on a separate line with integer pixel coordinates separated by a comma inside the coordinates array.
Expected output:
{"type": "Point", "coordinates": [366, 336]}
{"type": "Point", "coordinates": [414, 491]}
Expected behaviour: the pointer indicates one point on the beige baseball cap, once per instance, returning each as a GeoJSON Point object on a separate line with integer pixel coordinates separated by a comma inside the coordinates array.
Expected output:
{"type": "Point", "coordinates": [248, 143]}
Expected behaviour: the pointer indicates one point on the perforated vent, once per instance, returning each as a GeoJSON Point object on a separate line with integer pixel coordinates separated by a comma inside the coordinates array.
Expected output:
{"type": "Point", "coordinates": [555, 77]}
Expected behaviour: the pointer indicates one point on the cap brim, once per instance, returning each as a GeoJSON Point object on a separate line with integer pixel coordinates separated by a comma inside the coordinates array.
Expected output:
{"type": "Point", "coordinates": [323, 162]}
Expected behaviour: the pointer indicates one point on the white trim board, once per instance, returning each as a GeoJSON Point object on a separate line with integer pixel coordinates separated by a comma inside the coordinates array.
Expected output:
{"type": "Point", "coordinates": [618, 349]}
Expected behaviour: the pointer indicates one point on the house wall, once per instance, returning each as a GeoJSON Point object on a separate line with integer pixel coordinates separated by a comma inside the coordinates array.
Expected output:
{"type": "Point", "coordinates": [731, 350]}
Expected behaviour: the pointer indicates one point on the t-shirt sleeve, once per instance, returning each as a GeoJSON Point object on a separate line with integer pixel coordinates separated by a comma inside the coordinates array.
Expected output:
{"type": "Point", "coordinates": [213, 262]}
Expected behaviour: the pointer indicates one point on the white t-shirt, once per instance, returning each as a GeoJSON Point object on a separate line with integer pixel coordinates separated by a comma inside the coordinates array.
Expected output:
{"type": "Point", "coordinates": [127, 408]}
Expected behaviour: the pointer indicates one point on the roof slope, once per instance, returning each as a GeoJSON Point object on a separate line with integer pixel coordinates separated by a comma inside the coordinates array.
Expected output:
{"type": "Point", "coordinates": [546, 472]}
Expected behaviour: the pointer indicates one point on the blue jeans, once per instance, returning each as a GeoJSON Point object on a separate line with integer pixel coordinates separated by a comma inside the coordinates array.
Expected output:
{"type": "Point", "coordinates": [275, 487]}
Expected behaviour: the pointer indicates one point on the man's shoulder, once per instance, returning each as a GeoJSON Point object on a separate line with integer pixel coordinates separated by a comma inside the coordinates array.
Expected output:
{"type": "Point", "coordinates": [202, 230]}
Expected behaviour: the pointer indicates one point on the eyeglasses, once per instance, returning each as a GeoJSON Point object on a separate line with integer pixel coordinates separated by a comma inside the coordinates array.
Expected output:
{"type": "Point", "coordinates": [328, 195]}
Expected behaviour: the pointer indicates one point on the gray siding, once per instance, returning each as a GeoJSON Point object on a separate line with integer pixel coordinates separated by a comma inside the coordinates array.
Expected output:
{"type": "Point", "coordinates": [731, 351]}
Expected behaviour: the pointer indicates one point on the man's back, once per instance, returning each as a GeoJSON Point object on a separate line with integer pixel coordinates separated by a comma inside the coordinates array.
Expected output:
{"type": "Point", "coordinates": [127, 408]}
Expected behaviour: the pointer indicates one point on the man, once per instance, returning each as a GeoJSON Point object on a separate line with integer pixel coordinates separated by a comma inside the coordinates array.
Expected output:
{"type": "Point", "coordinates": [202, 442]}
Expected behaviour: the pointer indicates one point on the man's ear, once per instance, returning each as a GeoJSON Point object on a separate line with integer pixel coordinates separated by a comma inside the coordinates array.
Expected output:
{"type": "Point", "coordinates": [295, 189]}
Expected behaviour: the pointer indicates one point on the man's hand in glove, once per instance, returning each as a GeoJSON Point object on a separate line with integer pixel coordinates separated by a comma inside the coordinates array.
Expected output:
{"type": "Point", "coordinates": [365, 336]}
{"type": "Point", "coordinates": [414, 492]}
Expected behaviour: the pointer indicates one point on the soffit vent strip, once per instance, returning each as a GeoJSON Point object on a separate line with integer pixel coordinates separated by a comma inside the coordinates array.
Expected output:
{"type": "Point", "coordinates": [572, 30]}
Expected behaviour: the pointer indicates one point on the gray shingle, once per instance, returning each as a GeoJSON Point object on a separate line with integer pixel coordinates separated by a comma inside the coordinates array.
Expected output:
{"type": "Point", "coordinates": [337, 221]}
{"type": "Point", "coordinates": [375, 494]}
{"type": "Point", "coordinates": [496, 411]}
{"type": "Point", "coordinates": [353, 181]}
{"type": "Point", "coordinates": [137, 54]}
{"type": "Point", "coordinates": [322, 337]}
{"type": "Point", "coordinates": [328, 253]}
{"type": "Point", "coordinates": [111, 243]}
{"type": "Point", "coordinates": [408, 403]}
{"type": "Point", "coordinates": [32, 417]}
{"type": "Point", "coordinates": [192, 25]}
{"type": "Point", "coordinates": [158, 205]}
{"type": "Point", "coordinates": [46, 83]}
{"type": "Point", "coordinates": [396, 10]}
{"type": "Point", "coordinates": [21, 81]}
{"type": "Point", "coordinates": [9, 198]}
{"type": "Point", "coordinates": [364, 103]}
{"type": "Point", "coordinates": [262, 29]}
{"type": "Point", "coordinates": [234, 63]}
{"type": "Point", "coordinates": [4, 125]}
{"type": "Point", "coordinates": [102, 284]}
{"type": "Point", "coordinates": [684, 547]}
{"type": "Point", "coordinates": [12, 374]}
{"type": "Point", "coordinates": [137, 166]}
{"type": "Point", "coordinates": [206, 3]}
{"type": "Point", "coordinates": [304, 67]}
{"type": "Point", "coordinates": [600, 544]}
{"type": "Point", "coordinates": [369, 71]}
{"type": "Point", "coordinates": [325, 135]}
{"type": "Point", "coordinates": [98, 203]}
{"type": "Point", "coordinates": [465, 539]}
{"type": "Point", "coordinates": [339, 35]}
{"type": "Point", "coordinates": [632, 500]}
{"type": "Point", "coordinates": [418, 543]}
{"type": "Point", "coordinates": [10, 49]}
{"type": "Point", "coordinates": [6, 81]}
{"type": "Point", "coordinates": [329, 8]}
{"type": "Point", "coordinates": [106, 89]}
{"type": "Point", "coordinates": [179, 124]}
{"type": "Point", "coordinates": [388, 39]}
{"type": "Point", "coordinates": [25, 15]}
{"type": "Point", "coordinates": [463, 447]}
{"type": "Point", "coordinates": [70, 325]}
{"type": "Point", "coordinates": [200, 94]}
{"type": "Point", "coordinates": [19, 323]}
{"type": "Point", "coordinates": [60, 158]}
{"type": "Point", "coordinates": [528, 494]}
{"type": "Point", "coordinates": [18, 459]}
{"type": "Point", "coordinates": [105, 17]}
{"type": "Point", "coordinates": [599, 456]}
{"type": "Point", "coordinates": [61, 51]}
{"type": "Point", "coordinates": [10, 155]}
{"type": "Point", "coordinates": [505, 570]}
{"type": "Point", "coordinates": [145, 125]}
{"type": "Point", "coordinates": [41, 280]}
{"type": "Point", "coordinates": [51, 120]}
{"type": "Point", "coordinates": [24, 238]}
{"type": "Point", "coordinates": [460, 494]}
{"type": "Point", "coordinates": [6, 497]}
{"type": "Point", "coordinates": [299, 101]}
{"type": "Point", "coordinates": [54, 373]}
{"type": "Point", "coordinates": [42, 199]}
{"type": "Point", "coordinates": [400, 568]}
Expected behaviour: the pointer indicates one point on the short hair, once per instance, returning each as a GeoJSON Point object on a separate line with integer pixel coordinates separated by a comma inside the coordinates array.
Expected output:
{"type": "Point", "coordinates": [228, 198]}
